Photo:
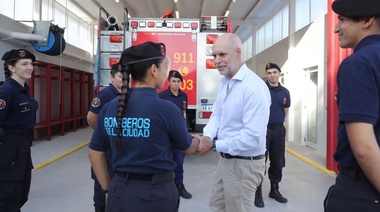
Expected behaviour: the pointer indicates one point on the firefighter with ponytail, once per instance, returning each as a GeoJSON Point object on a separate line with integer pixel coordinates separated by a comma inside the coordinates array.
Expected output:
{"type": "Point", "coordinates": [141, 130]}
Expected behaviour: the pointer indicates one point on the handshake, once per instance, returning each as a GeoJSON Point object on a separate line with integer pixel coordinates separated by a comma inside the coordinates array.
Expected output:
{"type": "Point", "coordinates": [203, 144]}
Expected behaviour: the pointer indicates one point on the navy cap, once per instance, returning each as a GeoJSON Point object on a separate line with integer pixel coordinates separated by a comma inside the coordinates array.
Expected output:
{"type": "Point", "coordinates": [272, 65]}
{"type": "Point", "coordinates": [18, 54]}
{"type": "Point", "coordinates": [115, 68]}
{"type": "Point", "coordinates": [142, 52]}
{"type": "Point", "coordinates": [356, 8]}
{"type": "Point", "coordinates": [176, 74]}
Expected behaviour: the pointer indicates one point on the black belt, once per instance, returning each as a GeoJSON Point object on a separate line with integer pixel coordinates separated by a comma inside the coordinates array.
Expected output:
{"type": "Point", "coordinates": [228, 156]}
{"type": "Point", "coordinates": [275, 126]}
{"type": "Point", "coordinates": [16, 133]}
{"type": "Point", "coordinates": [153, 178]}
{"type": "Point", "coordinates": [353, 174]}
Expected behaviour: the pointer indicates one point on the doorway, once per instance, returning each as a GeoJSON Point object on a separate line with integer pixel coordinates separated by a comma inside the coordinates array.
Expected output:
{"type": "Point", "coordinates": [310, 105]}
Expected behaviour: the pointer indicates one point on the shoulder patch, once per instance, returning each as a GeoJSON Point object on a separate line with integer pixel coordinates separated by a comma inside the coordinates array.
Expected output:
{"type": "Point", "coordinates": [96, 102]}
{"type": "Point", "coordinates": [2, 104]}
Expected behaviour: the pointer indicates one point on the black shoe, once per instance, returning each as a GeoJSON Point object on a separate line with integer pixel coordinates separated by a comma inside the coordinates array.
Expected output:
{"type": "Point", "coordinates": [100, 209]}
{"type": "Point", "coordinates": [183, 193]}
{"type": "Point", "coordinates": [275, 193]}
{"type": "Point", "coordinates": [259, 202]}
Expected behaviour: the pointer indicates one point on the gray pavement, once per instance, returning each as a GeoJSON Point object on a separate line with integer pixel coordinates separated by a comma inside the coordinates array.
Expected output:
{"type": "Point", "coordinates": [66, 186]}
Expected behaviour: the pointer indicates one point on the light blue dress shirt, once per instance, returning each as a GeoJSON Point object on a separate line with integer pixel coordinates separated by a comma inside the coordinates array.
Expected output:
{"type": "Point", "coordinates": [240, 116]}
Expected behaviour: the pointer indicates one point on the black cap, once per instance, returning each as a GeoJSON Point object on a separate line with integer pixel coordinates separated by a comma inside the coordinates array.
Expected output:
{"type": "Point", "coordinates": [142, 52]}
{"type": "Point", "coordinates": [176, 74]}
{"type": "Point", "coordinates": [272, 65]}
{"type": "Point", "coordinates": [356, 8]}
{"type": "Point", "coordinates": [115, 68]}
{"type": "Point", "coordinates": [18, 54]}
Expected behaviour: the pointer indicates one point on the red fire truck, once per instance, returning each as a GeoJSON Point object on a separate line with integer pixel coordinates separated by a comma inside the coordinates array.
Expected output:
{"type": "Point", "coordinates": [189, 47]}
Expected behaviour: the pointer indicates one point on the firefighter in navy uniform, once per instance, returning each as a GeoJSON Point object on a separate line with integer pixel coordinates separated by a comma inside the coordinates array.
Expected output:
{"type": "Point", "coordinates": [141, 129]}
{"type": "Point", "coordinates": [105, 95]}
{"type": "Point", "coordinates": [179, 98]}
{"type": "Point", "coordinates": [17, 119]}
{"type": "Point", "coordinates": [357, 186]}
{"type": "Point", "coordinates": [275, 139]}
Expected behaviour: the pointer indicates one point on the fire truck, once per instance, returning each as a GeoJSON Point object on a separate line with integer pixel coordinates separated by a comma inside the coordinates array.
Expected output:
{"type": "Point", "coordinates": [188, 45]}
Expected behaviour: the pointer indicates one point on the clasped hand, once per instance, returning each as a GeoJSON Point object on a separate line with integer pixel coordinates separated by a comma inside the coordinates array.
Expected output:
{"type": "Point", "coordinates": [205, 144]}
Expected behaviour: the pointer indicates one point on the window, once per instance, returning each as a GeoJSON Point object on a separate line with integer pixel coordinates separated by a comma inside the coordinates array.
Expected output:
{"type": "Point", "coordinates": [63, 13]}
{"type": "Point", "coordinates": [7, 8]}
{"type": "Point", "coordinates": [73, 30]}
{"type": "Point", "coordinates": [24, 10]}
{"type": "Point", "coordinates": [302, 14]}
{"type": "Point", "coordinates": [275, 26]}
{"type": "Point", "coordinates": [318, 9]}
{"type": "Point", "coordinates": [247, 49]}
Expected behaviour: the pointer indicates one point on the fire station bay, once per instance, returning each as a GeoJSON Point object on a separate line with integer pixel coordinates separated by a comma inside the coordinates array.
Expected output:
{"type": "Point", "coordinates": [76, 42]}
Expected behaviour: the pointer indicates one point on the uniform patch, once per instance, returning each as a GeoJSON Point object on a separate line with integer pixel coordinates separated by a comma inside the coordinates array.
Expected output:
{"type": "Point", "coordinates": [2, 104]}
{"type": "Point", "coordinates": [96, 102]}
{"type": "Point", "coordinates": [284, 101]}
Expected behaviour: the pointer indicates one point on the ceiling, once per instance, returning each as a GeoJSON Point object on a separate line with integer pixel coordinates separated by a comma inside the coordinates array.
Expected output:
{"type": "Point", "coordinates": [243, 13]}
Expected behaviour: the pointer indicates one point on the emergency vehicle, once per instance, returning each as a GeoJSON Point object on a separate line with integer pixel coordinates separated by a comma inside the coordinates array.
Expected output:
{"type": "Point", "coordinates": [188, 45]}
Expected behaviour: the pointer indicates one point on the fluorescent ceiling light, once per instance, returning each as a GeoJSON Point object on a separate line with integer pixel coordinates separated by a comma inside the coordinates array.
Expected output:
{"type": "Point", "coordinates": [117, 1]}
{"type": "Point", "coordinates": [175, 1]}
{"type": "Point", "coordinates": [177, 14]}
{"type": "Point", "coordinates": [227, 13]}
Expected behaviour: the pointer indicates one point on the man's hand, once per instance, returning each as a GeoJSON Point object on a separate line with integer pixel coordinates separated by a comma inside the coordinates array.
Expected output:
{"type": "Point", "coordinates": [205, 145]}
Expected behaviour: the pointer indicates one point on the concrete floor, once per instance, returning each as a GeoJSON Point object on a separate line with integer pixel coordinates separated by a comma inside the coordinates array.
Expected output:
{"type": "Point", "coordinates": [66, 186]}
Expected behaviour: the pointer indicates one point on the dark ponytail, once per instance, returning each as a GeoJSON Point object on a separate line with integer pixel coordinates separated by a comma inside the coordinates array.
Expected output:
{"type": "Point", "coordinates": [122, 102]}
{"type": "Point", "coordinates": [7, 72]}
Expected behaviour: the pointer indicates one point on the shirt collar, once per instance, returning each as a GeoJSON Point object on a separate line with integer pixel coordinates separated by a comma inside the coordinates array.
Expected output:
{"type": "Point", "coordinates": [113, 89]}
{"type": "Point", "coordinates": [17, 85]}
{"type": "Point", "coordinates": [370, 39]}
{"type": "Point", "coordinates": [144, 91]}
{"type": "Point", "coordinates": [172, 94]}
{"type": "Point", "coordinates": [275, 87]}
{"type": "Point", "coordinates": [239, 76]}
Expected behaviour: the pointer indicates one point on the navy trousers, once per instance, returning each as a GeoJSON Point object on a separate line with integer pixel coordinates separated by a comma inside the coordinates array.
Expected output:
{"type": "Point", "coordinates": [178, 158]}
{"type": "Point", "coordinates": [349, 195]}
{"type": "Point", "coordinates": [14, 194]}
{"type": "Point", "coordinates": [141, 196]}
{"type": "Point", "coordinates": [15, 172]}
{"type": "Point", "coordinates": [276, 150]}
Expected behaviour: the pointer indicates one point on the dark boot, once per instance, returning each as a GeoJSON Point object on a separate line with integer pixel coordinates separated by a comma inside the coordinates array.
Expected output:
{"type": "Point", "coordinates": [100, 209]}
{"type": "Point", "coordinates": [183, 193]}
{"type": "Point", "coordinates": [275, 193]}
{"type": "Point", "coordinates": [259, 202]}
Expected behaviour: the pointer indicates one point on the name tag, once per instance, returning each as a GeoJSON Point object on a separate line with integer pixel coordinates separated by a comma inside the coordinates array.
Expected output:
{"type": "Point", "coordinates": [24, 107]}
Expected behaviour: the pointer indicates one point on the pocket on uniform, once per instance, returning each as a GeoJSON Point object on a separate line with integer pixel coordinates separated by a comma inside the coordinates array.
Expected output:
{"type": "Point", "coordinates": [153, 195]}
{"type": "Point", "coordinates": [8, 154]}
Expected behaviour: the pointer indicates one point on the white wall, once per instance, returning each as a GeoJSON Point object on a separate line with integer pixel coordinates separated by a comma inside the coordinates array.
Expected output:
{"type": "Point", "coordinates": [309, 51]}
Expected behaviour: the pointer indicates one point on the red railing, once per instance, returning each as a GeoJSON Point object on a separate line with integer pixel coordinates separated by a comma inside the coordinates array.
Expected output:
{"type": "Point", "coordinates": [63, 94]}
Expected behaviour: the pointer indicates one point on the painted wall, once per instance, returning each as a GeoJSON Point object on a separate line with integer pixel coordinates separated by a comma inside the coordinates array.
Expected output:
{"type": "Point", "coordinates": [308, 52]}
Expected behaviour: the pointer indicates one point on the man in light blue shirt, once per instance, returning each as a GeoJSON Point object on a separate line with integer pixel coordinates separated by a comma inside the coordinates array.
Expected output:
{"type": "Point", "coordinates": [239, 122]}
